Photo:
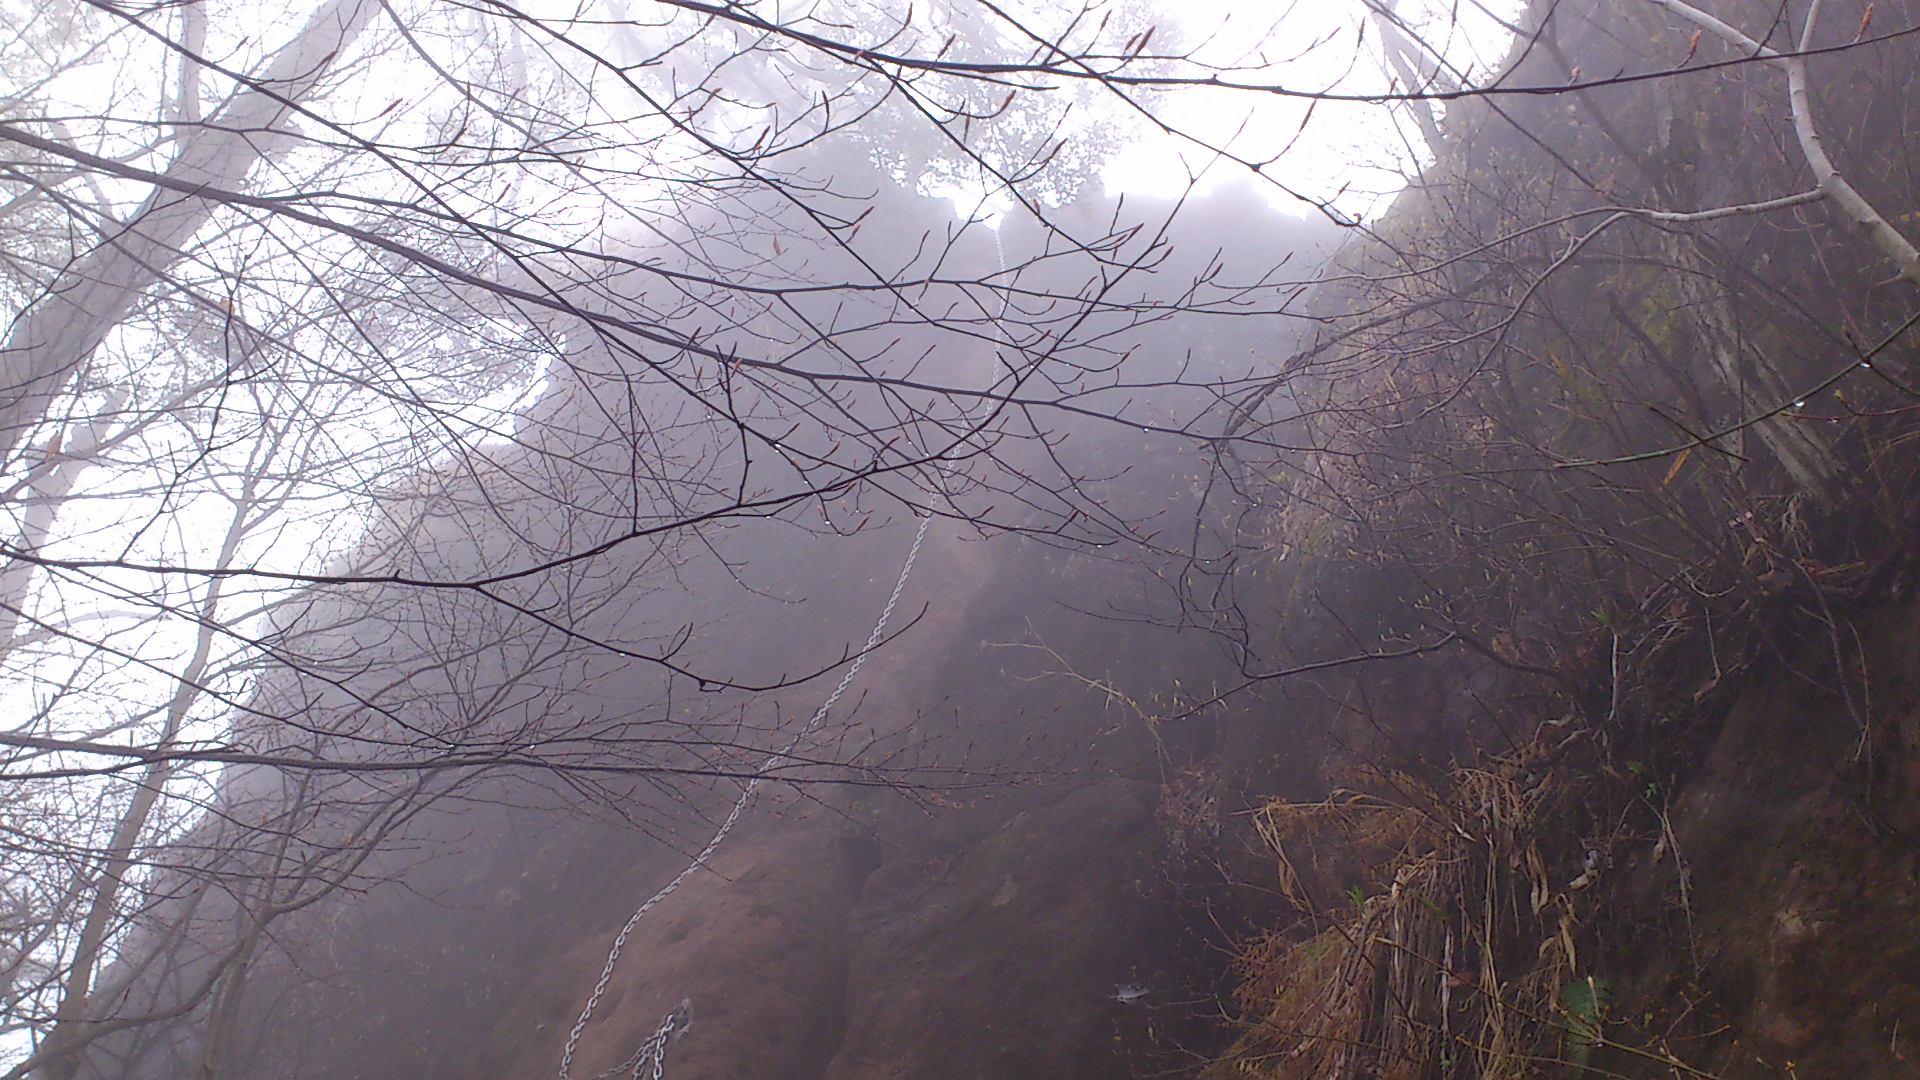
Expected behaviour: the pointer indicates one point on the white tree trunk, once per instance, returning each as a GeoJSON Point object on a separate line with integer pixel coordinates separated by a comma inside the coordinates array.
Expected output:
{"type": "Point", "coordinates": [51, 340]}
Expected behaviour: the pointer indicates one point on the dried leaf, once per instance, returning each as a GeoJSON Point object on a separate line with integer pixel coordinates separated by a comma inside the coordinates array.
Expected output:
{"type": "Point", "coordinates": [1673, 470]}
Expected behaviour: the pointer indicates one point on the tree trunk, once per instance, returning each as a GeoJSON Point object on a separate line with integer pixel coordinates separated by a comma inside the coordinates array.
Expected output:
{"type": "Point", "coordinates": [62, 326]}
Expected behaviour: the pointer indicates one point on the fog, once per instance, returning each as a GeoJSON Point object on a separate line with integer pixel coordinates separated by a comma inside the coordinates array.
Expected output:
{"type": "Point", "coordinates": [449, 426]}
{"type": "Point", "coordinates": [773, 539]}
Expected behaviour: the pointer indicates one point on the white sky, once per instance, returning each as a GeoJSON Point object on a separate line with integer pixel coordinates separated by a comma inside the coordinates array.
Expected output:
{"type": "Point", "coordinates": [1353, 155]}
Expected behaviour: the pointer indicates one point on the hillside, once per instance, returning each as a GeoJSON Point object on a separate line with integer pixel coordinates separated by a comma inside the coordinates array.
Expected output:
{"type": "Point", "coordinates": [1491, 657]}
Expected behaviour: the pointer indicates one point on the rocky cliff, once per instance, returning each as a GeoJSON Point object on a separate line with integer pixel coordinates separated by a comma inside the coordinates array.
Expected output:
{"type": "Point", "coordinates": [1583, 735]}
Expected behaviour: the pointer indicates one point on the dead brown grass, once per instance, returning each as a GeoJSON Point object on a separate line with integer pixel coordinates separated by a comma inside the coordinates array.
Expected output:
{"type": "Point", "coordinates": [1451, 967]}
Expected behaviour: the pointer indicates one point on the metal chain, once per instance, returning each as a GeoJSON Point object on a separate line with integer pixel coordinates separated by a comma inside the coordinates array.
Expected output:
{"type": "Point", "coordinates": [733, 818]}
{"type": "Point", "coordinates": [653, 1050]}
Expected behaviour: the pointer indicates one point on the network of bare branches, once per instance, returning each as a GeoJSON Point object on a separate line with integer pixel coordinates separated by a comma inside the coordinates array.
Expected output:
{"type": "Point", "coordinates": [403, 395]}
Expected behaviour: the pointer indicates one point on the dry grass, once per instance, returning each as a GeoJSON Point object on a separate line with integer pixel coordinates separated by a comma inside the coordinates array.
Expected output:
{"type": "Point", "coordinates": [1453, 969]}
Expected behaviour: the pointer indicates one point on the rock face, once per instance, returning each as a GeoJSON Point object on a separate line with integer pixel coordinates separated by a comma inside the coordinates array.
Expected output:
{"type": "Point", "coordinates": [1802, 876]}
{"type": "Point", "coordinates": [752, 958]}
{"type": "Point", "coordinates": [1004, 958]}
{"type": "Point", "coordinates": [856, 936]}
{"type": "Point", "coordinates": [810, 953]}
{"type": "Point", "coordinates": [981, 946]}
{"type": "Point", "coordinates": [1011, 926]}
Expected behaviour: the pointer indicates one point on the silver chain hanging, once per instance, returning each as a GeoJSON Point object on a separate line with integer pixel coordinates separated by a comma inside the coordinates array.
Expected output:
{"type": "Point", "coordinates": [726, 827]}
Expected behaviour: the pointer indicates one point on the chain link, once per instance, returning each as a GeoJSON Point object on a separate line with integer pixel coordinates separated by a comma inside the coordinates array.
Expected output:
{"type": "Point", "coordinates": [653, 1051]}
